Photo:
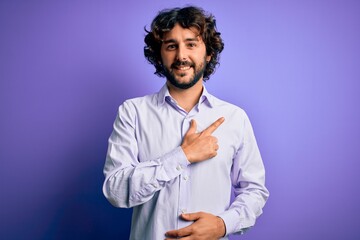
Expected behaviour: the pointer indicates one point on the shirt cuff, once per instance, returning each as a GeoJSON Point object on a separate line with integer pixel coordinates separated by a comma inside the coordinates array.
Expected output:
{"type": "Point", "coordinates": [174, 162]}
{"type": "Point", "coordinates": [233, 222]}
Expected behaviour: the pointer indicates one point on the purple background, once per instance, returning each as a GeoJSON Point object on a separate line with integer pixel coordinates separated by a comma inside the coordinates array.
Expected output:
{"type": "Point", "coordinates": [294, 66]}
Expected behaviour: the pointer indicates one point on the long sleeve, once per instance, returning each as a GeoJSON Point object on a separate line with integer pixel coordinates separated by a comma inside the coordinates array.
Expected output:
{"type": "Point", "coordinates": [248, 179]}
{"type": "Point", "coordinates": [129, 182]}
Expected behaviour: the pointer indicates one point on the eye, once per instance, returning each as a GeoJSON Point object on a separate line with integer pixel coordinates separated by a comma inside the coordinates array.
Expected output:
{"type": "Point", "coordinates": [191, 45]}
{"type": "Point", "coordinates": [171, 47]}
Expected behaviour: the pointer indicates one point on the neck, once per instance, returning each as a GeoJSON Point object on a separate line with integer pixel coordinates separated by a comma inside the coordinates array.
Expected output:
{"type": "Point", "coordinates": [186, 98]}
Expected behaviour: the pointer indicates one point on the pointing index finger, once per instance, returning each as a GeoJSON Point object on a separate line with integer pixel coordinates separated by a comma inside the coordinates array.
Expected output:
{"type": "Point", "coordinates": [214, 126]}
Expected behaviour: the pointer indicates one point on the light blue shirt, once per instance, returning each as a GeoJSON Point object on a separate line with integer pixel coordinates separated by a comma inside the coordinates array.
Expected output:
{"type": "Point", "coordinates": [147, 169]}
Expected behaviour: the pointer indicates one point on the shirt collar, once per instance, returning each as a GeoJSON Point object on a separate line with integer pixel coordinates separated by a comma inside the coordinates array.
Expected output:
{"type": "Point", "coordinates": [205, 98]}
{"type": "Point", "coordinates": [162, 94]}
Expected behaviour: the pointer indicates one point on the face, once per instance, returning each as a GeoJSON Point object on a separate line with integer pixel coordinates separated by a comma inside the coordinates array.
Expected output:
{"type": "Point", "coordinates": [183, 55]}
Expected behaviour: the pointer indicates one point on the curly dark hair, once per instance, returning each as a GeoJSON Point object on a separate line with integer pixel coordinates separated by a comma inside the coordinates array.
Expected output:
{"type": "Point", "coordinates": [187, 17]}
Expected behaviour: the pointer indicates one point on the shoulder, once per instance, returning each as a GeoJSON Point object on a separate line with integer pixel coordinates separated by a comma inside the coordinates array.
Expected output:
{"type": "Point", "coordinates": [139, 103]}
{"type": "Point", "coordinates": [230, 108]}
{"type": "Point", "coordinates": [130, 110]}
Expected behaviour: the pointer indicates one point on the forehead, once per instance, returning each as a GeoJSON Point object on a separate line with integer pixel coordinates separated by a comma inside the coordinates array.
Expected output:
{"type": "Point", "coordinates": [179, 33]}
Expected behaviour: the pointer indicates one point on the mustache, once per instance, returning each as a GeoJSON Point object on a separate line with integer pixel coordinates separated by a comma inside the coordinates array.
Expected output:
{"type": "Point", "coordinates": [182, 63]}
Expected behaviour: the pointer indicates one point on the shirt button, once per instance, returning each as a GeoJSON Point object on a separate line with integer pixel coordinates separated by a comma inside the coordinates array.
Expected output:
{"type": "Point", "coordinates": [183, 210]}
{"type": "Point", "coordinates": [178, 168]}
{"type": "Point", "coordinates": [185, 178]}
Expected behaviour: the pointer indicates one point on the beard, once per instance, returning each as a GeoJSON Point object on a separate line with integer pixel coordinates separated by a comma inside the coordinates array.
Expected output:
{"type": "Point", "coordinates": [198, 74]}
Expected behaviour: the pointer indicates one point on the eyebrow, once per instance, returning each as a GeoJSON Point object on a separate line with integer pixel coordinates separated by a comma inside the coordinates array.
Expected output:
{"type": "Point", "coordinates": [186, 40]}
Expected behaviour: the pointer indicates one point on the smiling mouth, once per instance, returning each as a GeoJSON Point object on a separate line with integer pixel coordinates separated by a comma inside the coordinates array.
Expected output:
{"type": "Point", "coordinates": [182, 68]}
{"type": "Point", "coordinates": [182, 65]}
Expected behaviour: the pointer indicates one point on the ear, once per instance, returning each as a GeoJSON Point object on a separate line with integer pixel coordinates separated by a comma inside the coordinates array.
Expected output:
{"type": "Point", "coordinates": [208, 58]}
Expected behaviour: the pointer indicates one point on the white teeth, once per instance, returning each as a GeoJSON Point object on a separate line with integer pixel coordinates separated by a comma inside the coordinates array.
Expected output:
{"type": "Point", "coordinates": [184, 68]}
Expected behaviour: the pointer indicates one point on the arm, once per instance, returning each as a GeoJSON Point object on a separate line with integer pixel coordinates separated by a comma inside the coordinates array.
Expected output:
{"type": "Point", "coordinates": [129, 182]}
{"type": "Point", "coordinates": [248, 178]}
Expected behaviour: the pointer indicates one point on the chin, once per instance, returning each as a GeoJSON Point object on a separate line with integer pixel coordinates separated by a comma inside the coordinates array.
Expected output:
{"type": "Point", "coordinates": [184, 79]}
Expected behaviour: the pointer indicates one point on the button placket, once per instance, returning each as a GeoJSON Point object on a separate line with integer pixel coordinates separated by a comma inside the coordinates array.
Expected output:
{"type": "Point", "coordinates": [184, 197]}
{"type": "Point", "coordinates": [184, 184]}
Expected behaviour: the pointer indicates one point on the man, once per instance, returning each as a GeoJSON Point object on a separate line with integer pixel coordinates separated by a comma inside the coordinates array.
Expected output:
{"type": "Point", "coordinates": [174, 156]}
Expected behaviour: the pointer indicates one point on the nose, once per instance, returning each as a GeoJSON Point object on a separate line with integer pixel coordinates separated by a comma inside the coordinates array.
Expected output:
{"type": "Point", "coordinates": [181, 54]}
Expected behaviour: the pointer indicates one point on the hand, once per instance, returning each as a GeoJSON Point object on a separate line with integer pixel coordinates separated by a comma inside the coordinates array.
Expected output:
{"type": "Point", "coordinates": [201, 146]}
{"type": "Point", "coordinates": [205, 226]}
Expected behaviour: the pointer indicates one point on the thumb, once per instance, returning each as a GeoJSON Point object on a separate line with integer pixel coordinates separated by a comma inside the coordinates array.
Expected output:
{"type": "Point", "coordinates": [191, 216]}
{"type": "Point", "coordinates": [192, 128]}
